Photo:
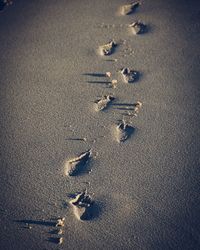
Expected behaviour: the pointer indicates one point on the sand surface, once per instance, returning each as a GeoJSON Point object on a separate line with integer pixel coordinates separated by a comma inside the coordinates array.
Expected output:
{"type": "Point", "coordinates": [146, 190]}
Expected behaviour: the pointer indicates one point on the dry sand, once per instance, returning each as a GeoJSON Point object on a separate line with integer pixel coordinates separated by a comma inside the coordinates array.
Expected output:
{"type": "Point", "coordinates": [146, 189]}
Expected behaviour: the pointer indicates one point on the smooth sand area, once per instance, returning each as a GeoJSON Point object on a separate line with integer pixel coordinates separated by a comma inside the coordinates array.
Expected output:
{"type": "Point", "coordinates": [145, 189]}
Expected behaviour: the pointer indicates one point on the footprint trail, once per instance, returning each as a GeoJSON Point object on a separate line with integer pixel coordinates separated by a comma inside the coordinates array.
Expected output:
{"type": "Point", "coordinates": [129, 75]}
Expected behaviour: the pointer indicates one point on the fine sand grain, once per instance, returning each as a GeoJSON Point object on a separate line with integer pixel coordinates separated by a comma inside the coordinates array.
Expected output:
{"type": "Point", "coordinates": [143, 147]}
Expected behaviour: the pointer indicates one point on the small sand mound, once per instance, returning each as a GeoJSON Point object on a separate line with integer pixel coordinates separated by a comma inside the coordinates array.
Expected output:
{"type": "Point", "coordinates": [76, 165]}
{"type": "Point", "coordinates": [128, 9]}
{"type": "Point", "coordinates": [103, 103]}
{"type": "Point", "coordinates": [137, 106]}
{"type": "Point", "coordinates": [129, 75]}
{"type": "Point", "coordinates": [108, 48]}
{"type": "Point", "coordinates": [60, 222]}
{"type": "Point", "coordinates": [83, 205]}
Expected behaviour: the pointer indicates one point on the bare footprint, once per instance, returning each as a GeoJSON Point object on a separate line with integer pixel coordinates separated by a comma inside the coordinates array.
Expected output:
{"type": "Point", "coordinates": [129, 75]}
{"type": "Point", "coordinates": [138, 28]}
{"type": "Point", "coordinates": [103, 103]}
{"type": "Point", "coordinates": [76, 165]}
{"type": "Point", "coordinates": [108, 48]}
{"type": "Point", "coordinates": [128, 9]}
{"type": "Point", "coordinates": [123, 131]}
{"type": "Point", "coordinates": [83, 206]}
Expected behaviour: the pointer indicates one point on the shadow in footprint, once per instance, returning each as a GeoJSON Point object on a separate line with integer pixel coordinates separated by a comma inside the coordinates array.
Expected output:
{"type": "Point", "coordinates": [146, 29]}
{"type": "Point", "coordinates": [79, 165]}
{"type": "Point", "coordinates": [130, 130]}
{"type": "Point", "coordinates": [138, 76]}
{"type": "Point", "coordinates": [124, 132]}
{"type": "Point", "coordinates": [37, 222]}
{"type": "Point", "coordinates": [90, 213]}
{"type": "Point", "coordinates": [93, 213]}
{"type": "Point", "coordinates": [139, 28]}
{"type": "Point", "coordinates": [96, 211]}
{"type": "Point", "coordinates": [83, 169]}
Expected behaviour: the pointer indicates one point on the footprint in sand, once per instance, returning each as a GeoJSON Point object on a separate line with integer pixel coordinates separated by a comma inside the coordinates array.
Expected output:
{"type": "Point", "coordinates": [108, 48]}
{"type": "Point", "coordinates": [83, 206]}
{"type": "Point", "coordinates": [138, 28]}
{"type": "Point", "coordinates": [104, 102]}
{"type": "Point", "coordinates": [129, 75]}
{"type": "Point", "coordinates": [77, 165]}
{"type": "Point", "coordinates": [128, 9]}
{"type": "Point", "coordinates": [123, 131]}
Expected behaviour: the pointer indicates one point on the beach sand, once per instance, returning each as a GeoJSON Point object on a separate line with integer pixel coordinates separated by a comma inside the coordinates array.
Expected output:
{"type": "Point", "coordinates": [145, 189]}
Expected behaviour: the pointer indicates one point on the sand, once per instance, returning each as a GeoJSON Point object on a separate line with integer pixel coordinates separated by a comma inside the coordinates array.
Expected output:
{"type": "Point", "coordinates": [145, 189]}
